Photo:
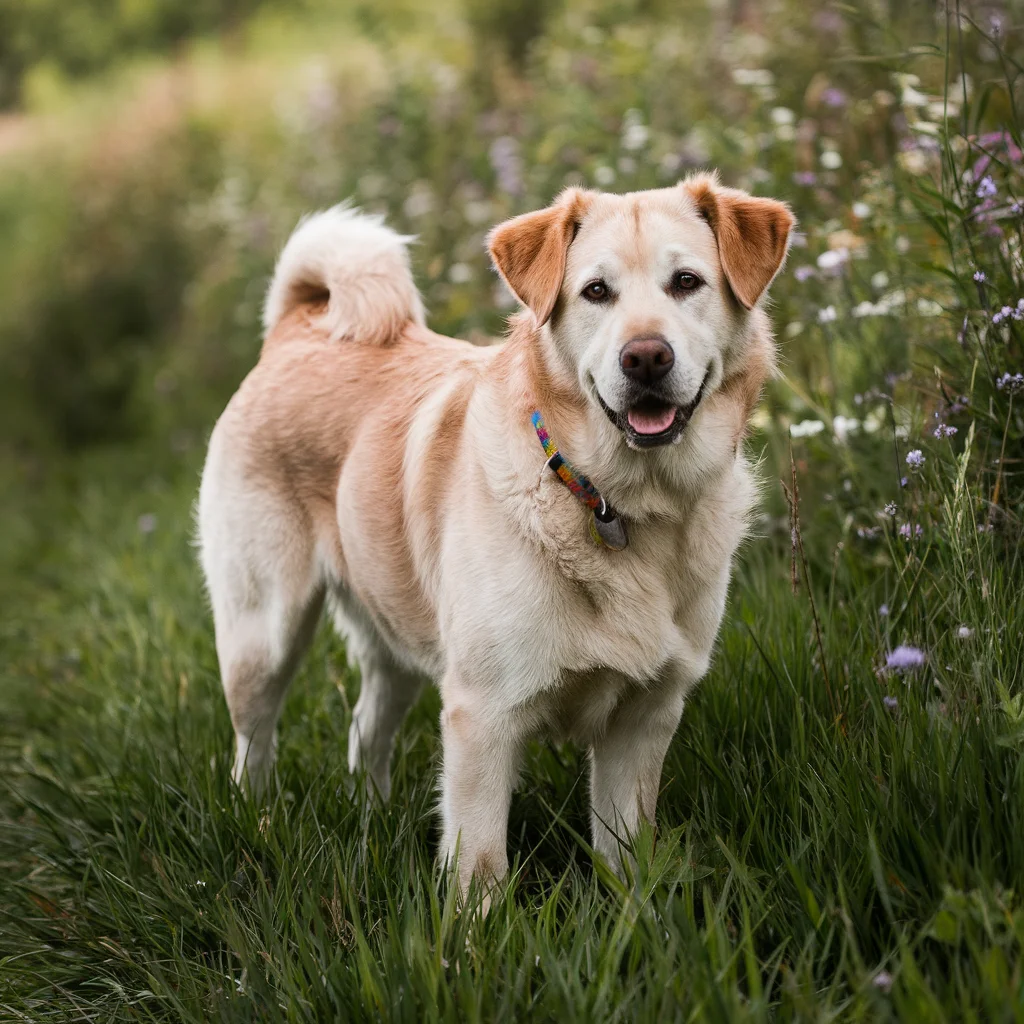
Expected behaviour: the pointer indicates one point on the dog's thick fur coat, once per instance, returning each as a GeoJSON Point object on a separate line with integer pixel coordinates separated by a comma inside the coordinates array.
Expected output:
{"type": "Point", "coordinates": [371, 464]}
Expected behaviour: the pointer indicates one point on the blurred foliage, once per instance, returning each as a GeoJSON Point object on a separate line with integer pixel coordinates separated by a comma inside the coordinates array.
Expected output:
{"type": "Point", "coordinates": [130, 292]}
{"type": "Point", "coordinates": [508, 26]}
{"type": "Point", "coordinates": [82, 37]}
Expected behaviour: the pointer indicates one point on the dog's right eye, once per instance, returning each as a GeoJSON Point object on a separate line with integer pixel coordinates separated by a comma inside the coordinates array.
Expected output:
{"type": "Point", "coordinates": [597, 291]}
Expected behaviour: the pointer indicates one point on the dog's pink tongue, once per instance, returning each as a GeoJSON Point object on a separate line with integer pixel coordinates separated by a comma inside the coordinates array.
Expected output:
{"type": "Point", "coordinates": [644, 422]}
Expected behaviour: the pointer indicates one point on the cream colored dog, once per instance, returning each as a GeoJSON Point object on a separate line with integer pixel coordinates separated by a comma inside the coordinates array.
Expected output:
{"type": "Point", "coordinates": [401, 477]}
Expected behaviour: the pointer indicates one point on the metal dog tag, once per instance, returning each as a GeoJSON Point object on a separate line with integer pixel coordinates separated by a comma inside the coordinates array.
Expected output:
{"type": "Point", "coordinates": [607, 529]}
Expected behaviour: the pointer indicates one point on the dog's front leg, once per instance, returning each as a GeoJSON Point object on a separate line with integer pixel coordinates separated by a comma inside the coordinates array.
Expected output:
{"type": "Point", "coordinates": [481, 763]}
{"type": "Point", "coordinates": [625, 768]}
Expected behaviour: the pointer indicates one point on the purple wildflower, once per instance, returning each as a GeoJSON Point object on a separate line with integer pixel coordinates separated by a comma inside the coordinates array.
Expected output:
{"type": "Point", "coordinates": [995, 141]}
{"type": "Point", "coordinates": [903, 481]}
{"type": "Point", "coordinates": [867, 532]}
{"type": "Point", "coordinates": [882, 980]}
{"type": "Point", "coordinates": [904, 657]}
{"type": "Point", "coordinates": [1004, 139]}
{"type": "Point", "coordinates": [979, 276]}
{"type": "Point", "coordinates": [804, 273]}
{"type": "Point", "coordinates": [915, 458]}
{"type": "Point", "coordinates": [986, 188]}
{"type": "Point", "coordinates": [805, 178]}
{"type": "Point", "coordinates": [891, 509]}
{"type": "Point", "coordinates": [883, 610]}
{"type": "Point", "coordinates": [892, 704]}
{"type": "Point", "coordinates": [906, 533]}
{"type": "Point", "coordinates": [1009, 313]}
{"type": "Point", "coordinates": [1016, 208]}
{"type": "Point", "coordinates": [834, 97]}
{"type": "Point", "coordinates": [829, 21]}
{"type": "Point", "coordinates": [965, 632]}
{"type": "Point", "coordinates": [944, 430]}
{"type": "Point", "coordinates": [507, 164]}
{"type": "Point", "coordinates": [1011, 383]}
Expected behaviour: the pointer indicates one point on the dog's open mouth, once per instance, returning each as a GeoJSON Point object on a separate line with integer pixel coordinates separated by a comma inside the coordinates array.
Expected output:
{"type": "Point", "coordinates": [651, 421]}
{"type": "Point", "coordinates": [651, 416]}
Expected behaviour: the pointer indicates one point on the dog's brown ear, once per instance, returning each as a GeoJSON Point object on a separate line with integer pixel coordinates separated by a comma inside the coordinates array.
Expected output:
{"type": "Point", "coordinates": [752, 233]}
{"type": "Point", "coordinates": [529, 251]}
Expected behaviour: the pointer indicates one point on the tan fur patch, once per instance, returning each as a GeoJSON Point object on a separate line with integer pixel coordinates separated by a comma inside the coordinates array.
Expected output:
{"type": "Point", "coordinates": [752, 234]}
{"type": "Point", "coordinates": [529, 251]}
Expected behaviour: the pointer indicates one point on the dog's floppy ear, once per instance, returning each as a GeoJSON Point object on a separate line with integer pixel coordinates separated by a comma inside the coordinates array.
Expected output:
{"type": "Point", "coordinates": [529, 251]}
{"type": "Point", "coordinates": [752, 233]}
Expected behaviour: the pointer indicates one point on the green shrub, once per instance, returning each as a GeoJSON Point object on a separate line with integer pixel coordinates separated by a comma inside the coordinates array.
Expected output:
{"type": "Point", "coordinates": [81, 38]}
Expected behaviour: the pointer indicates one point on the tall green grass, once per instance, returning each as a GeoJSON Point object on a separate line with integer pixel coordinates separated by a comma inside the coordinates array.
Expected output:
{"type": "Point", "coordinates": [837, 838]}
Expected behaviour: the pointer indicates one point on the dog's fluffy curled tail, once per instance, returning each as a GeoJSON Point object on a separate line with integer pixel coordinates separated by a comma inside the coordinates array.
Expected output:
{"type": "Point", "coordinates": [355, 268]}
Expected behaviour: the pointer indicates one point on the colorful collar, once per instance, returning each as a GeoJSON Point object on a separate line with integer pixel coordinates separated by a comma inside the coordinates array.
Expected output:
{"type": "Point", "coordinates": [606, 528]}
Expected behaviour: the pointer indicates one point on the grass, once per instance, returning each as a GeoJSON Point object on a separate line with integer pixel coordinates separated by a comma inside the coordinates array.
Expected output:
{"type": "Point", "coordinates": [835, 839]}
{"type": "Point", "coordinates": [805, 849]}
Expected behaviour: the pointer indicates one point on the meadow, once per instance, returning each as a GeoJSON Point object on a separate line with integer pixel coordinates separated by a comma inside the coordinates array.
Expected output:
{"type": "Point", "coordinates": [840, 832]}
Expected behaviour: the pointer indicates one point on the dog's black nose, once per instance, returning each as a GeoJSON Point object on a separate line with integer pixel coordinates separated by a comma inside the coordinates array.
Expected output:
{"type": "Point", "coordinates": [646, 360]}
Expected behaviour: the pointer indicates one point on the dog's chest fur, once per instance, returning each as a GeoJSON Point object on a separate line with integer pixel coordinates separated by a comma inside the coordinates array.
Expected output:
{"type": "Point", "coordinates": [660, 600]}
{"type": "Point", "coordinates": [564, 630]}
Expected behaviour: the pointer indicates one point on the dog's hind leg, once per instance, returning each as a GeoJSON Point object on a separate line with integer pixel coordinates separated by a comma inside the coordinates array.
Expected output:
{"type": "Point", "coordinates": [266, 587]}
{"type": "Point", "coordinates": [387, 690]}
{"type": "Point", "coordinates": [259, 649]}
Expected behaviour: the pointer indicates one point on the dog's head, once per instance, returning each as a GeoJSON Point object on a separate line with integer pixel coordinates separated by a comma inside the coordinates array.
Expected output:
{"type": "Point", "coordinates": [648, 296]}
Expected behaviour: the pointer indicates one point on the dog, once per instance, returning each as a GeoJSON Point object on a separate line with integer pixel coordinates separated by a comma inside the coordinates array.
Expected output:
{"type": "Point", "coordinates": [545, 527]}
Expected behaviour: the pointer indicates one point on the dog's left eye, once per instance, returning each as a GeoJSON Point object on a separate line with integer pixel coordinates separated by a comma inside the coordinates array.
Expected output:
{"type": "Point", "coordinates": [597, 291]}
{"type": "Point", "coordinates": [684, 282]}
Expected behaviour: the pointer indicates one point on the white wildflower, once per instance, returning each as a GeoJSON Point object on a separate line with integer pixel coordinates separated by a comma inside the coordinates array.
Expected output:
{"type": "Point", "coordinates": [868, 309]}
{"type": "Point", "coordinates": [806, 428]}
{"type": "Point", "coordinates": [634, 132]}
{"type": "Point", "coordinates": [843, 426]}
{"type": "Point", "coordinates": [832, 259]}
{"type": "Point", "coordinates": [419, 202]}
{"type": "Point", "coordinates": [753, 76]}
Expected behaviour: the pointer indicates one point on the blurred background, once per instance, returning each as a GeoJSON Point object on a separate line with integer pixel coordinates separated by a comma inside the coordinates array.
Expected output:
{"type": "Point", "coordinates": [849, 780]}
{"type": "Point", "coordinates": [155, 154]}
